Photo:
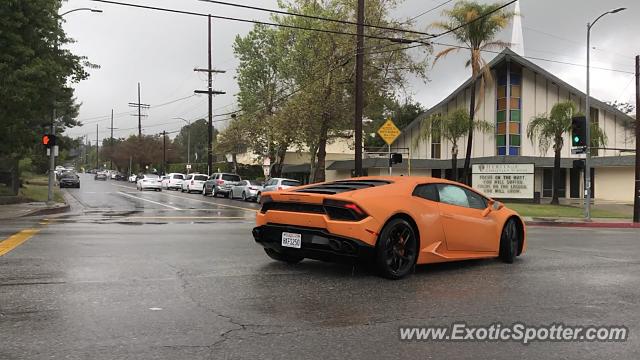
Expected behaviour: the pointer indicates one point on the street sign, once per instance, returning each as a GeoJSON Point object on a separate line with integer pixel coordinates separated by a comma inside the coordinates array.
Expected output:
{"type": "Point", "coordinates": [389, 132]}
{"type": "Point", "coordinates": [188, 166]}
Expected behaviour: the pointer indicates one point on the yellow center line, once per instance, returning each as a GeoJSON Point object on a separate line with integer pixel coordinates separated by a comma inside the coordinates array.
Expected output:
{"type": "Point", "coordinates": [16, 239]}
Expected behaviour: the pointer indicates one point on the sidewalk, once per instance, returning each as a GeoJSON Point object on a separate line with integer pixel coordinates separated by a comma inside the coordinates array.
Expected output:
{"type": "Point", "coordinates": [13, 211]}
{"type": "Point", "coordinates": [613, 223]}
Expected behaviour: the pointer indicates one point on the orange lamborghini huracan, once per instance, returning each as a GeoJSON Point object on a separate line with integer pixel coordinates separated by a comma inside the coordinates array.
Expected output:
{"type": "Point", "coordinates": [396, 222]}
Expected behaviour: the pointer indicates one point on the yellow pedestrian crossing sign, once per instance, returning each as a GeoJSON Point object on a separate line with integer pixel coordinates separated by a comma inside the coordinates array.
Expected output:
{"type": "Point", "coordinates": [389, 132]}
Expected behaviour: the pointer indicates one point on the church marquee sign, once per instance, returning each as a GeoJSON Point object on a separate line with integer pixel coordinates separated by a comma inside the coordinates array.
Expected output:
{"type": "Point", "coordinates": [504, 181]}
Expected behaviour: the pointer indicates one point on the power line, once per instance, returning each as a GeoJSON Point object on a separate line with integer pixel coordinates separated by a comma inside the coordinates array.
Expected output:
{"type": "Point", "coordinates": [472, 21]}
{"type": "Point", "coordinates": [184, 12]}
{"type": "Point", "coordinates": [428, 11]}
{"type": "Point", "coordinates": [317, 17]}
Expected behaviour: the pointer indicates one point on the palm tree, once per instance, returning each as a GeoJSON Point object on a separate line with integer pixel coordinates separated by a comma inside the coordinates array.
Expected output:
{"type": "Point", "coordinates": [451, 127]}
{"type": "Point", "coordinates": [548, 130]}
{"type": "Point", "coordinates": [469, 25]}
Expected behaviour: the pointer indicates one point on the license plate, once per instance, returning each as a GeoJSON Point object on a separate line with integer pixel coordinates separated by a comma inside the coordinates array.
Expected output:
{"type": "Point", "coordinates": [291, 240]}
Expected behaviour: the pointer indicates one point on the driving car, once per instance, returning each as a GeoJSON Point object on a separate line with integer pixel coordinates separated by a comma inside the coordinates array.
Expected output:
{"type": "Point", "coordinates": [148, 181]}
{"type": "Point", "coordinates": [69, 179]}
{"type": "Point", "coordinates": [393, 222]}
{"type": "Point", "coordinates": [220, 184]}
{"type": "Point", "coordinates": [275, 184]}
{"type": "Point", "coordinates": [172, 181]}
{"type": "Point", "coordinates": [100, 176]}
{"type": "Point", "coordinates": [246, 190]}
{"type": "Point", "coordinates": [194, 182]}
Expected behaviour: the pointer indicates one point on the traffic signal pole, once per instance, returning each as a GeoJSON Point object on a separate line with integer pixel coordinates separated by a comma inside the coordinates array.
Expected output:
{"type": "Point", "coordinates": [52, 161]}
{"type": "Point", "coordinates": [359, 90]}
{"type": "Point", "coordinates": [636, 198]}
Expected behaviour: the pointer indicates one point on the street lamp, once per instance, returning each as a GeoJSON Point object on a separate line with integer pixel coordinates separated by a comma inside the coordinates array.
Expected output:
{"type": "Point", "coordinates": [81, 9]}
{"type": "Point", "coordinates": [587, 167]}
{"type": "Point", "coordinates": [52, 157]}
{"type": "Point", "coordinates": [188, 122]}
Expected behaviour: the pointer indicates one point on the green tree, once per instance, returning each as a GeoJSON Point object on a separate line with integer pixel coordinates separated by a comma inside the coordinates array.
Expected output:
{"type": "Point", "coordinates": [477, 32]}
{"type": "Point", "coordinates": [233, 141]}
{"type": "Point", "coordinates": [199, 139]}
{"type": "Point", "coordinates": [322, 67]}
{"type": "Point", "coordinates": [547, 130]}
{"type": "Point", "coordinates": [36, 73]}
{"type": "Point", "coordinates": [450, 127]}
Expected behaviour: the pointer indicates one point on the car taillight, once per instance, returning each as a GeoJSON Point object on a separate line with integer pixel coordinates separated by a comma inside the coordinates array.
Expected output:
{"type": "Point", "coordinates": [191, 182]}
{"type": "Point", "coordinates": [265, 200]}
{"type": "Point", "coordinates": [280, 188]}
{"type": "Point", "coordinates": [343, 210]}
{"type": "Point", "coordinates": [219, 182]}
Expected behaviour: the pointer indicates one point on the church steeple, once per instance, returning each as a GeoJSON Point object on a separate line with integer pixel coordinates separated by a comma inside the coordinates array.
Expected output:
{"type": "Point", "coordinates": [517, 40]}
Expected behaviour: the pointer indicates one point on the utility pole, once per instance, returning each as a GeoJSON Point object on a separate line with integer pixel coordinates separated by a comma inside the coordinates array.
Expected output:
{"type": "Point", "coordinates": [52, 160]}
{"type": "Point", "coordinates": [210, 92]}
{"type": "Point", "coordinates": [97, 149]}
{"type": "Point", "coordinates": [140, 106]}
{"type": "Point", "coordinates": [359, 89]}
{"type": "Point", "coordinates": [111, 143]}
{"type": "Point", "coordinates": [636, 198]}
{"type": "Point", "coordinates": [164, 151]}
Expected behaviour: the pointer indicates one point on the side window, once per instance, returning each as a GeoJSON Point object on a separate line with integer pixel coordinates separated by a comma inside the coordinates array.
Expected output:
{"type": "Point", "coordinates": [476, 201]}
{"type": "Point", "coordinates": [427, 191]}
{"type": "Point", "coordinates": [452, 195]}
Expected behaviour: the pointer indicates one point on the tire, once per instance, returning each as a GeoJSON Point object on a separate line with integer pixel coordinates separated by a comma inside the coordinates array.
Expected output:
{"type": "Point", "coordinates": [509, 241]}
{"type": "Point", "coordinates": [397, 249]}
{"type": "Point", "coordinates": [244, 196]}
{"type": "Point", "coordinates": [287, 258]}
{"type": "Point", "coordinates": [204, 190]}
{"type": "Point", "coordinates": [229, 195]}
{"type": "Point", "coordinates": [213, 192]}
{"type": "Point", "coordinates": [258, 197]}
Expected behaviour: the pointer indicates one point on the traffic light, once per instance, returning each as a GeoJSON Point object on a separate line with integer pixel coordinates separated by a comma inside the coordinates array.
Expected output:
{"type": "Point", "coordinates": [395, 159]}
{"type": "Point", "coordinates": [48, 140]}
{"type": "Point", "coordinates": [578, 131]}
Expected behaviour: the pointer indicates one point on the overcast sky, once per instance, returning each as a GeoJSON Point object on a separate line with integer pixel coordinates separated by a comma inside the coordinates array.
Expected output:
{"type": "Point", "coordinates": [160, 50]}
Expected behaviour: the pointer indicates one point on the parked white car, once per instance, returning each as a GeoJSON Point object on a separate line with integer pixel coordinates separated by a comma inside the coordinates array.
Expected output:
{"type": "Point", "coordinates": [172, 181]}
{"type": "Point", "coordinates": [246, 190]}
{"type": "Point", "coordinates": [275, 184]}
{"type": "Point", "coordinates": [149, 181]}
{"type": "Point", "coordinates": [133, 178]}
{"type": "Point", "coordinates": [194, 182]}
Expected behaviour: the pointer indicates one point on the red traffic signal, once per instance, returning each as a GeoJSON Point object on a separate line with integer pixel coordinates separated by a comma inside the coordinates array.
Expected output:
{"type": "Point", "coordinates": [48, 140]}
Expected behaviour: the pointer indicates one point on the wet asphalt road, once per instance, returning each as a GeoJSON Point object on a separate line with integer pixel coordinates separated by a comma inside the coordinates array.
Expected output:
{"type": "Point", "coordinates": [130, 275]}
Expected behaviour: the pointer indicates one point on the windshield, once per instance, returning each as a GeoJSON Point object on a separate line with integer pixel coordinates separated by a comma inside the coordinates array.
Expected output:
{"type": "Point", "coordinates": [151, 176]}
{"type": "Point", "coordinates": [201, 177]}
{"type": "Point", "coordinates": [178, 176]}
{"type": "Point", "coordinates": [230, 177]}
{"type": "Point", "coordinates": [290, 183]}
{"type": "Point", "coordinates": [255, 182]}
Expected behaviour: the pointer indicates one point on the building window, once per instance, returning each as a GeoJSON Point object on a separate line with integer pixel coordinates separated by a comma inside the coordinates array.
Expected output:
{"type": "Point", "coordinates": [436, 138]}
{"type": "Point", "coordinates": [508, 109]}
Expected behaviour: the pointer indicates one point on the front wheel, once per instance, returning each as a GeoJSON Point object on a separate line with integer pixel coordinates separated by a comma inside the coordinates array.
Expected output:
{"type": "Point", "coordinates": [397, 249]}
{"type": "Point", "coordinates": [258, 198]}
{"type": "Point", "coordinates": [509, 241]}
{"type": "Point", "coordinates": [288, 258]}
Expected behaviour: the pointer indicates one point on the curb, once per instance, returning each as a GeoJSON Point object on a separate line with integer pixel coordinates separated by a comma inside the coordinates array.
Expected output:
{"type": "Point", "coordinates": [610, 225]}
{"type": "Point", "coordinates": [49, 211]}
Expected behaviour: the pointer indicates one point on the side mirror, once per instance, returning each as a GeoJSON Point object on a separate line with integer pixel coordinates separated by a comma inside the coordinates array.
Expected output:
{"type": "Point", "coordinates": [489, 208]}
{"type": "Point", "coordinates": [497, 205]}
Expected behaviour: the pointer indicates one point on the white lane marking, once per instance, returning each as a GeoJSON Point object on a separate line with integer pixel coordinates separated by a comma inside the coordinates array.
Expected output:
{"type": "Point", "coordinates": [155, 308]}
{"type": "Point", "coordinates": [151, 201]}
{"type": "Point", "coordinates": [190, 199]}
{"type": "Point", "coordinates": [212, 203]}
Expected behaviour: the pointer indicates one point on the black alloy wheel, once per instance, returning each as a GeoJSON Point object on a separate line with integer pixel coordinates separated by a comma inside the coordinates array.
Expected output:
{"type": "Point", "coordinates": [397, 249]}
{"type": "Point", "coordinates": [509, 242]}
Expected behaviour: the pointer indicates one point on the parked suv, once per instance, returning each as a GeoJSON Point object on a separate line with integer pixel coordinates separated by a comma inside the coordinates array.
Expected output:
{"type": "Point", "coordinates": [194, 182]}
{"type": "Point", "coordinates": [275, 184]}
{"type": "Point", "coordinates": [220, 184]}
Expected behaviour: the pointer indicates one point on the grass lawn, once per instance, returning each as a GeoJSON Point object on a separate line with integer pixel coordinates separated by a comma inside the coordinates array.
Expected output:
{"type": "Point", "coordinates": [35, 188]}
{"type": "Point", "coordinates": [554, 211]}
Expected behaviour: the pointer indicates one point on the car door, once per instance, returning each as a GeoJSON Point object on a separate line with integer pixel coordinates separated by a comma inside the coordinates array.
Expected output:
{"type": "Point", "coordinates": [465, 227]}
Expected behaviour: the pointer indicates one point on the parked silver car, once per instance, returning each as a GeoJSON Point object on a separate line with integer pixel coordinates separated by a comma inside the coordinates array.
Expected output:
{"type": "Point", "coordinates": [275, 184]}
{"type": "Point", "coordinates": [220, 184]}
{"type": "Point", "coordinates": [246, 190]}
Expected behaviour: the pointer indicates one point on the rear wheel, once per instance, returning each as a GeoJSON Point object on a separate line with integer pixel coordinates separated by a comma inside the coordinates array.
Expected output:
{"type": "Point", "coordinates": [204, 191]}
{"type": "Point", "coordinates": [288, 258]}
{"type": "Point", "coordinates": [509, 241]}
{"type": "Point", "coordinates": [244, 196]}
{"type": "Point", "coordinates": [258, 197]}
{"type": "Point", "coordinates": [397, 249]}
